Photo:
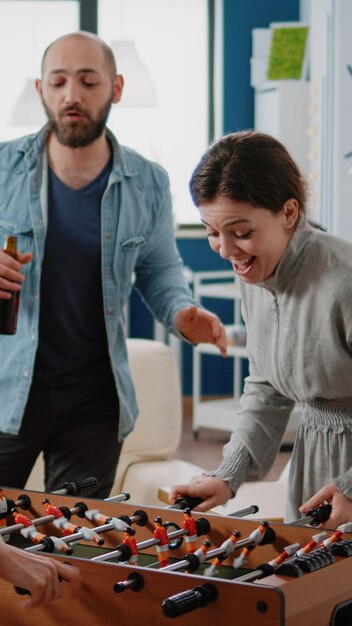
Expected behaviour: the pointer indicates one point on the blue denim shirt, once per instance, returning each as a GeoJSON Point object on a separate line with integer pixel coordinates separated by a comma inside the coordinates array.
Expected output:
{"type": "Point", "coordinates": [136, 237]}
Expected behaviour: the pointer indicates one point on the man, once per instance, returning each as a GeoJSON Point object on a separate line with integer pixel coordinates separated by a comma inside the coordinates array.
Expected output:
{"type": "Point", "coordinates": [87, 213]}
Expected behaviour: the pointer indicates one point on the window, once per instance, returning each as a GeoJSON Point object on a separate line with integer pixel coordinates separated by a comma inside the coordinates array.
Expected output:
{"type": "Point", "coordinates": [26, 28]}
{"type": "Point", "coordinates": [171, 39]}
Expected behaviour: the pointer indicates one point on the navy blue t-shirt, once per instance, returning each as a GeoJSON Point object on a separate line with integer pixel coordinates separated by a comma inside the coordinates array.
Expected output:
{"type": "Point", "coordinates": [72, 337]}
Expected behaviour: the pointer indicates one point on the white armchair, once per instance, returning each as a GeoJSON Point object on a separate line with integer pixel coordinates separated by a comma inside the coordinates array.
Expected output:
{"type": "Point", "coordinates": [147, 458]}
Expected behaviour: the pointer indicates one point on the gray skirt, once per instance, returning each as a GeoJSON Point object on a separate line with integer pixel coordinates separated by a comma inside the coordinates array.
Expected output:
{"type": "Point", "coordinates": [322, 452]}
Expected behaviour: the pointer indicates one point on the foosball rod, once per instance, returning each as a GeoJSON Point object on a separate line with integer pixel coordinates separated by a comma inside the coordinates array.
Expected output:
{"type": "Point", "coordinates": [215, 552]}
{"type": "Point", "coordinates": [190, 502]}
{"type": "Point", "coordinates": [45, 519]}
{"type": "Point", "coordinates": [114, 523]}
{"type": "Point", "coordinates": [78, 487]}
{"type": "Point", "coordinates": [203, 528]}
{"type": "Point", "coordinates": [268, 568]}
{"type": "Point", "coordinates": [69, 539]}
{"type": "Point", "coordinates": [86, 486]}
{"type": "Point", "coordinates": [289, 555]}
{"type": "Point", "coordinates": [121, 497]}
{"type": "Point", "coordinates": [314, 517]}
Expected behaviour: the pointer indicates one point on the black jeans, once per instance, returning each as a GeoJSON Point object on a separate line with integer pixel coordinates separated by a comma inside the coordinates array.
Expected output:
{"type": "Point", "coordinates": [76, 426]}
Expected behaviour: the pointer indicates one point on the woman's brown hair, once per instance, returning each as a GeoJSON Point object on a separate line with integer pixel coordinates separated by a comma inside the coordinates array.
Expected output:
{"type": "Point", "coordinates": [252, 167]}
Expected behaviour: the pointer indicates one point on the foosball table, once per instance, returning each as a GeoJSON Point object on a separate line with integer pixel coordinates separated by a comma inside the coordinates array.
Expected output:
{"type": "Point", "coordinates": [151, 565]}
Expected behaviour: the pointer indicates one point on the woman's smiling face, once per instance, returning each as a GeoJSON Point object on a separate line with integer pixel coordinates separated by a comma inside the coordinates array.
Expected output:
{"type": "Point", "coordinates": [253, 239]}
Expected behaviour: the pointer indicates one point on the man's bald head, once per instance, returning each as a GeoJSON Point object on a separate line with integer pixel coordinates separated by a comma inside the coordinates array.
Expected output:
{"type": "Point", "coordinates": [108, 53]}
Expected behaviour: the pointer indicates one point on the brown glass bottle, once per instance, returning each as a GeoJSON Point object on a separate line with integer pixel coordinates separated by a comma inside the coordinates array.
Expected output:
{"type": "Point", "coordinates": [9, 308]}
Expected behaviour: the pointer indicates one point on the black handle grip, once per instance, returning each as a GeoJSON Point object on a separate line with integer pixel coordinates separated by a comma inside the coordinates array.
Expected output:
{"type": "Point", "coordinates": [25, 592]}
{"type": "Point", "coordinates": [22, 592]}
{"type": "Point", "coordinates": [319, 515]}
{"type": "Point", "coordinates": [189, 600]}
{"type": "Point", "coordinates": [75, 488]}
{"type": "Point", "coordinates": [188, 502]}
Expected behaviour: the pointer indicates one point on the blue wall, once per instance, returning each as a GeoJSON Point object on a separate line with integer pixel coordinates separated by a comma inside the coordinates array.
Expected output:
{"type": "Point", "coordinates": [239, 19]}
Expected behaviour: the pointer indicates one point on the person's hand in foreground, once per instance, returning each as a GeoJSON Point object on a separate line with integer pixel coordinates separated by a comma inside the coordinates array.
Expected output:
{"type": "Point", "coordinates": [38, 574]}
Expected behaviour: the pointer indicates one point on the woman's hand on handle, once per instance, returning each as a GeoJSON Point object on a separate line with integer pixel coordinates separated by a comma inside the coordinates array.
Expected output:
{"type": "Point", "coordinates": [212, 490]}
{"type": "Point", "coordinates": [341, 505]}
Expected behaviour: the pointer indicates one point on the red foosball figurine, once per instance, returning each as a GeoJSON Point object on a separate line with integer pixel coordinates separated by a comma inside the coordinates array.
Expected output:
{"type": "Point", "coordinates": [162, 547]}
{"type": "Point", "coordinates": [190, 525]}
{"type": "Point", "coordinates": [67, 528]}
{"type": "Point", "coordinates": [130, 541]}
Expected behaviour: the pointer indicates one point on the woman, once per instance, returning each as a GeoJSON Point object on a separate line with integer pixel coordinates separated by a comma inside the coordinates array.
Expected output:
{"type": "Point", "coordinates": [297, 305]}
{"type": "Point", "coordinates": [38, 574]}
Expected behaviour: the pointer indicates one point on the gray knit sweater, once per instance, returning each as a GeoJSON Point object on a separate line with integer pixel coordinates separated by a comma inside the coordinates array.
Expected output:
{"type": "Point", "coordinates": [299, 326]}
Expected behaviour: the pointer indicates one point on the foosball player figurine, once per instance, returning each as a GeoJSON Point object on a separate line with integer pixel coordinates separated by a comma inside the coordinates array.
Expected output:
{"type": "Point", "coordinates": [190, 525]}
{"type": "Point", "coordinates": [199, 556]}
{"type": "Point", "coordinates": [228, 547]}
{"type": "Point", "coordinates": [343, 528]}
{"type": "Point", "coordinates": [257, 535]}
{"type": "Point", "coordinates": [66, 528]}
{"type": "Point", "coordinates": [162, 548]}
{"type": "Point", "coordinates": [30, 532]}
{"type": "Point", "coordinates": [131, 543]}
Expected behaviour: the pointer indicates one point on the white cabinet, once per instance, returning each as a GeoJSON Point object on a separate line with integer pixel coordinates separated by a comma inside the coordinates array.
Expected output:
{"type": "Point", "coordinates": [281, 110]}
{"type": "Point", "coordinates": [218, 414]}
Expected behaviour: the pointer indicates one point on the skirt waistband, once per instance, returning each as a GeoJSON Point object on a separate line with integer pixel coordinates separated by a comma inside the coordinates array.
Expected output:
{"type": "Point", "coordinates": [328, 414]}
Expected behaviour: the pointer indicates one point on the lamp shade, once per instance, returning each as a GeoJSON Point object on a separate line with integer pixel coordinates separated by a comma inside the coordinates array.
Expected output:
{"type": "Point", "coordinates": [28, 110]}
{"type": "Point", "coordinates": [139, 89]}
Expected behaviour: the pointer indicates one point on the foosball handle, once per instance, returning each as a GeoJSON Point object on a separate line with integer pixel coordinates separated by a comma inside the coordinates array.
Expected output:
{"type": "Point", "coordinates": [189, 600]}
{"type": "Point", "coordinates": [314, 517]}
{"type": "Point", "coordinates": [187, 502]}
{"type": "Point", "coordinates": [320, 515]}
{"type": "Point", "coordinates": [25, 592]}
{"type": "Point", "coordinates": [135, 582]}
{"type": "Point", "coordinates": [75, 488]}
{"type": "Point", "coordinates": [21, 591]}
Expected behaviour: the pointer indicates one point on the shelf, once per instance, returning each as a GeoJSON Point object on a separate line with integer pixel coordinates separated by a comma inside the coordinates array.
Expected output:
{"type": "Point", "coordinates": [219, 414]}
{"type": "Point", "coordinates": [225, 290]}
{"type": "Point", "coordinates": [232, 351]}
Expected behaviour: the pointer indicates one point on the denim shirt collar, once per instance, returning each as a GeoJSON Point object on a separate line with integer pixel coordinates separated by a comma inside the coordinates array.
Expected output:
{"type": "Point", "coordinates": [33, 146]}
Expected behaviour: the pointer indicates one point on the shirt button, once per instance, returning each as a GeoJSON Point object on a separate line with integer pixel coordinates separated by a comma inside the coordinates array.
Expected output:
{"type": "Point", "coordinates": [107, 235]}
{"type": "Point", "coordinates": [110, 311]}
{"type": "Point", "coordinates": [108, 272]}
{"type": "Point", "coordinates": [26, 373]}
{"type": "Point", "coordinates": [34, 184]}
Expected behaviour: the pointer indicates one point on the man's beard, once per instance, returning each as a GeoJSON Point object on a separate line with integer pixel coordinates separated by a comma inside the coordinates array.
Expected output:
{"type": "Point", "coordinates": [78, 134]}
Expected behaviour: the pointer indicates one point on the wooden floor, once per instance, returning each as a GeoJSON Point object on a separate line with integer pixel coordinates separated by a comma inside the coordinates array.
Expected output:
{"type": "Point", "coordinates": [206, 450]}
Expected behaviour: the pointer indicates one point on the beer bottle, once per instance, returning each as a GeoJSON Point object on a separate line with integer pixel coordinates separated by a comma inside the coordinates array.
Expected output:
{"type": "Point", "coordinates": [9, 308]}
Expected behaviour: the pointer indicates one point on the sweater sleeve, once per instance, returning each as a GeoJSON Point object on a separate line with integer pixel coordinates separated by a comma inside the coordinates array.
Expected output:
{"type": "Point", "coordinates": [257, 432]}
{"type": "Point", "coordinates": [344, 483]}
